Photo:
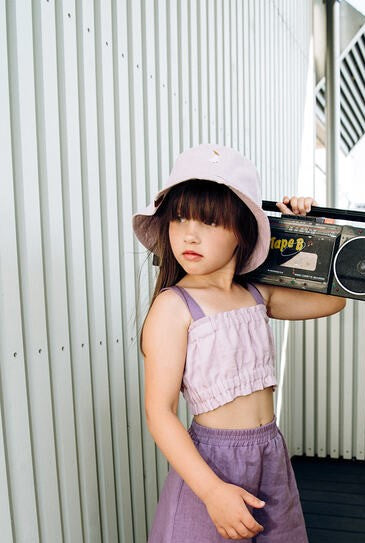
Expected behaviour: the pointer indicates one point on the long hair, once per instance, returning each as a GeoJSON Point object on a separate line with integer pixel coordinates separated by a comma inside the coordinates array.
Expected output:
{"type": "Point", "coordinates": [205, 201]}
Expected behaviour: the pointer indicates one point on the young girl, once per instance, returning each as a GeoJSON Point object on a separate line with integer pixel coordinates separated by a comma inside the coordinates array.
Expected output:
{"type": "Point", "coordinates": [207, 333]}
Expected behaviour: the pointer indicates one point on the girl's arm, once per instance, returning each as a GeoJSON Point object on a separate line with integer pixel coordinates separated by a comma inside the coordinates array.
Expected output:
{"type": "Point", "coordinates": [293, 304]}
{"type": "Point", "coordinates": [164, 345]}
{"type": "Point", "coordinates": [164, 342]}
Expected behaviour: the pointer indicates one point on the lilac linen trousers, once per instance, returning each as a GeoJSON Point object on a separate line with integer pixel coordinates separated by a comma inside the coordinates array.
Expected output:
{"type": "Point", "coordinates": [254, 459]}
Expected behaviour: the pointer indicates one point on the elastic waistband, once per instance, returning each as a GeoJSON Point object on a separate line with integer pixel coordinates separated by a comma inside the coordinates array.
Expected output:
{"type": "Point", "coordinates": [231, 438]}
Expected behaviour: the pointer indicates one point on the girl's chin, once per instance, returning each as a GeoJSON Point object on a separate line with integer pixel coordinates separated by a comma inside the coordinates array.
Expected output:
{"type": "Point", "coordinates": [191, 269]}
{"type": "Point", "coordinates": [194, 269]}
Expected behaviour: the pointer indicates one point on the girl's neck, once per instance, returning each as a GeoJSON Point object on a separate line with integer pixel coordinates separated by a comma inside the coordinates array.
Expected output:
{"type": "Point", "coordinates": [223, 284]}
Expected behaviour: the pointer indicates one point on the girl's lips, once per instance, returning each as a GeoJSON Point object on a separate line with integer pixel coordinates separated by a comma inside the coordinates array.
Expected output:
{"type": "Point", "coordinates": [191, 253]}
{"type": "Point", "coordinates": [192, 256]}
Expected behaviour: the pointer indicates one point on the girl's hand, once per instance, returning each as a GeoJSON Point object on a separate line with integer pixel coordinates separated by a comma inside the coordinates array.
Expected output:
{"type": "Point", "coordinates": [227, 507]}
{"type": "Point", "coordinates": [299, 205]}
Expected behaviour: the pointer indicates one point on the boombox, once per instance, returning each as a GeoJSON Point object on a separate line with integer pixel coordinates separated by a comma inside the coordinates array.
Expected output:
{"type": "Point", "coordinates": [308, 254]}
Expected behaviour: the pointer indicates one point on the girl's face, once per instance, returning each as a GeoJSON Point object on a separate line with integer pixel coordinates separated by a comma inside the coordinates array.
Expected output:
{"type": "Point", "coordinates": [213, 246]}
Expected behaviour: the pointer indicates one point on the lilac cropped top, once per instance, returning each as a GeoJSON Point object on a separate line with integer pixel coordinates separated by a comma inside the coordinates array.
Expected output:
{"type": "Point", "coordinates": [229, 354]}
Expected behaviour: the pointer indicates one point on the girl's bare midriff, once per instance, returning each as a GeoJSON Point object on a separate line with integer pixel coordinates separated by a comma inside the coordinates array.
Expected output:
{"type": "Point", "coordinates": [243, 412]}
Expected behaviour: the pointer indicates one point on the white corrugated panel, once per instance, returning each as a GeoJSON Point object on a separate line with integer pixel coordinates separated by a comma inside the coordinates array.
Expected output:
{"type": "Point", "coordinates": [328, 414]}
{"type": "Point", "coordinates": [99, 99]}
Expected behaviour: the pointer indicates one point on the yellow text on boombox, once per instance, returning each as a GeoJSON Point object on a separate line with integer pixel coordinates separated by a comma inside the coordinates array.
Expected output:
{"type": "Point", "coordinates": [282, 244]}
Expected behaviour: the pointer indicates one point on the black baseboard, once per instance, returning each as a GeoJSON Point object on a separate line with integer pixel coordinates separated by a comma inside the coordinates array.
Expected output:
{"type": "Point", "coordinates": [332, 493]}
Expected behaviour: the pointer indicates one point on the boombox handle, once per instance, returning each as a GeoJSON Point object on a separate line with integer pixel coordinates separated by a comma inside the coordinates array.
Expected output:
{"type": "Point", "coordinates": [329, 212]}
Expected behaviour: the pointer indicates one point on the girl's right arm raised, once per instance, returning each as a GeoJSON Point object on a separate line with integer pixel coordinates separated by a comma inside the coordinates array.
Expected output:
{"type": "Point", "coordinates": [164, 345]}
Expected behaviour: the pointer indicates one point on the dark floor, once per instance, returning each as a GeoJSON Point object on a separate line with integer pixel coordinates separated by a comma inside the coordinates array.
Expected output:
{"type": "Point", "coordinates": [333, 498]}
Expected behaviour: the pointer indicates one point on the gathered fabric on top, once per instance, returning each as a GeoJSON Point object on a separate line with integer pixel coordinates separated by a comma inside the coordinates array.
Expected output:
{"type": "Point", "coordinates": [229, 354]}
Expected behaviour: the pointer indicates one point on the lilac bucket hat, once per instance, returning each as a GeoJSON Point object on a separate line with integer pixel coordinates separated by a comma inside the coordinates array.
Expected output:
{"type": "Point", "coordinates": [213, 163]}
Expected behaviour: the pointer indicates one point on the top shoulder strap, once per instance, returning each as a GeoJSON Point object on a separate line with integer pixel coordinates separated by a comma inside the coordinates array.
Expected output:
{"type": "Point", "coordinates": [255, 293]}
{"type": "Point", "coordinates": [194, 308]}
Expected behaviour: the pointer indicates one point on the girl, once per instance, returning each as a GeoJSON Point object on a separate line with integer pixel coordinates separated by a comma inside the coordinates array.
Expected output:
{"type": "Point", "coordinates": [207, 333]}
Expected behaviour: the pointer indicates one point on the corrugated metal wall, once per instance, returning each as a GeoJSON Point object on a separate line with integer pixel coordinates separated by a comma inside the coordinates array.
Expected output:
{"type": "Point", "coordinates": [326, 385]}
{"type": "Point", "coordinates": [96, 100]}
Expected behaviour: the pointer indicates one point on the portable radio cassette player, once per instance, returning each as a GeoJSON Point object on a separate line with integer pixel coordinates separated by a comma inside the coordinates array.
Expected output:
{"type": "Point", "coordinates": [311, 255]}
{"type": "Point", "coordinates": [308, 254]}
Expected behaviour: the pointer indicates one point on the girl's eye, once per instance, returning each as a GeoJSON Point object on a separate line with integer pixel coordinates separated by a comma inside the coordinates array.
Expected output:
{"type": "Point", "coordinates": [181, 219]}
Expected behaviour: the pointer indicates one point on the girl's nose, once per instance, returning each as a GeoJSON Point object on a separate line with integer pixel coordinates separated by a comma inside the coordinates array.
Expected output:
{"type": "Point", "coordinates": [191, 230]}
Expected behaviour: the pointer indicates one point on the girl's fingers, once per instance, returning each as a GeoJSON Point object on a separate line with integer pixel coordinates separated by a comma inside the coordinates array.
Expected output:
{"type": "Point", "coordinates": [298, 205]}
{"type": "Point", "coordinates": [284, 209]}
{"type": "Point", "coordinates": [307, 204]}
{"type": "Point", "coordinates": [250, 523]}
{"type": "Point", "coordinates": [230, 533]}
{"type": "Point", "coordinates": [302, 205]}
{"type": "Point", "coordinates": [222, 532]}
{"type": "Point", "coordinates": [251, 499]}
{"type": "Point", "coordinates": [294, 204]}
{"type": "Point", "coordinates": [233, 534]}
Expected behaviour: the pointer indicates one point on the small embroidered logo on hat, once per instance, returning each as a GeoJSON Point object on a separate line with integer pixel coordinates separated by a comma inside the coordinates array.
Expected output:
{"type": "Point", "coordinates": [215, 158]}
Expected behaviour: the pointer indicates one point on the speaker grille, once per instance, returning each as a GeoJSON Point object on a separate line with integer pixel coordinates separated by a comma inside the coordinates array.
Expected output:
{"type": "Point", "coordinates": [349, 266]}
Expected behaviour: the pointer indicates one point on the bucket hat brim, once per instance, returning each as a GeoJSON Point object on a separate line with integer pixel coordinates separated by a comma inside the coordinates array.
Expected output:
{"type": "Point", "coordinates": [223, 165]}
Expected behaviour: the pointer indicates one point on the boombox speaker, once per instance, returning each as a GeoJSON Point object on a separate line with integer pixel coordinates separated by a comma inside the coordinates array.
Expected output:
{"type": "Point", "coordinates": [306, 253]}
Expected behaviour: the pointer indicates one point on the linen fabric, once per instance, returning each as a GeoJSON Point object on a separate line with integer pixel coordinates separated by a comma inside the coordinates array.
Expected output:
{"type": "Point", "coordinates": [256, 460]}
{"type": "Point", "coordinates": [229, 354]}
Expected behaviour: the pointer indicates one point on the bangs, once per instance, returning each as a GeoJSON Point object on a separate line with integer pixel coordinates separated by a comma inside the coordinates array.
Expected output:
{"type": "Point", "coordinates": [204, 201]}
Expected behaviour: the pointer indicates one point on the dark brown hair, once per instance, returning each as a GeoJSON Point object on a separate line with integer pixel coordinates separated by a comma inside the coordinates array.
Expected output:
{"type": "Point", "coordinates": [206, 201]}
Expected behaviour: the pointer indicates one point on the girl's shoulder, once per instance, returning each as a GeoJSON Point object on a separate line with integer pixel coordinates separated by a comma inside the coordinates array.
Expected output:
{"type": "Point", "coordinates": [167, 322]}
{"type": "Point", "coordinates": [168, 305]}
